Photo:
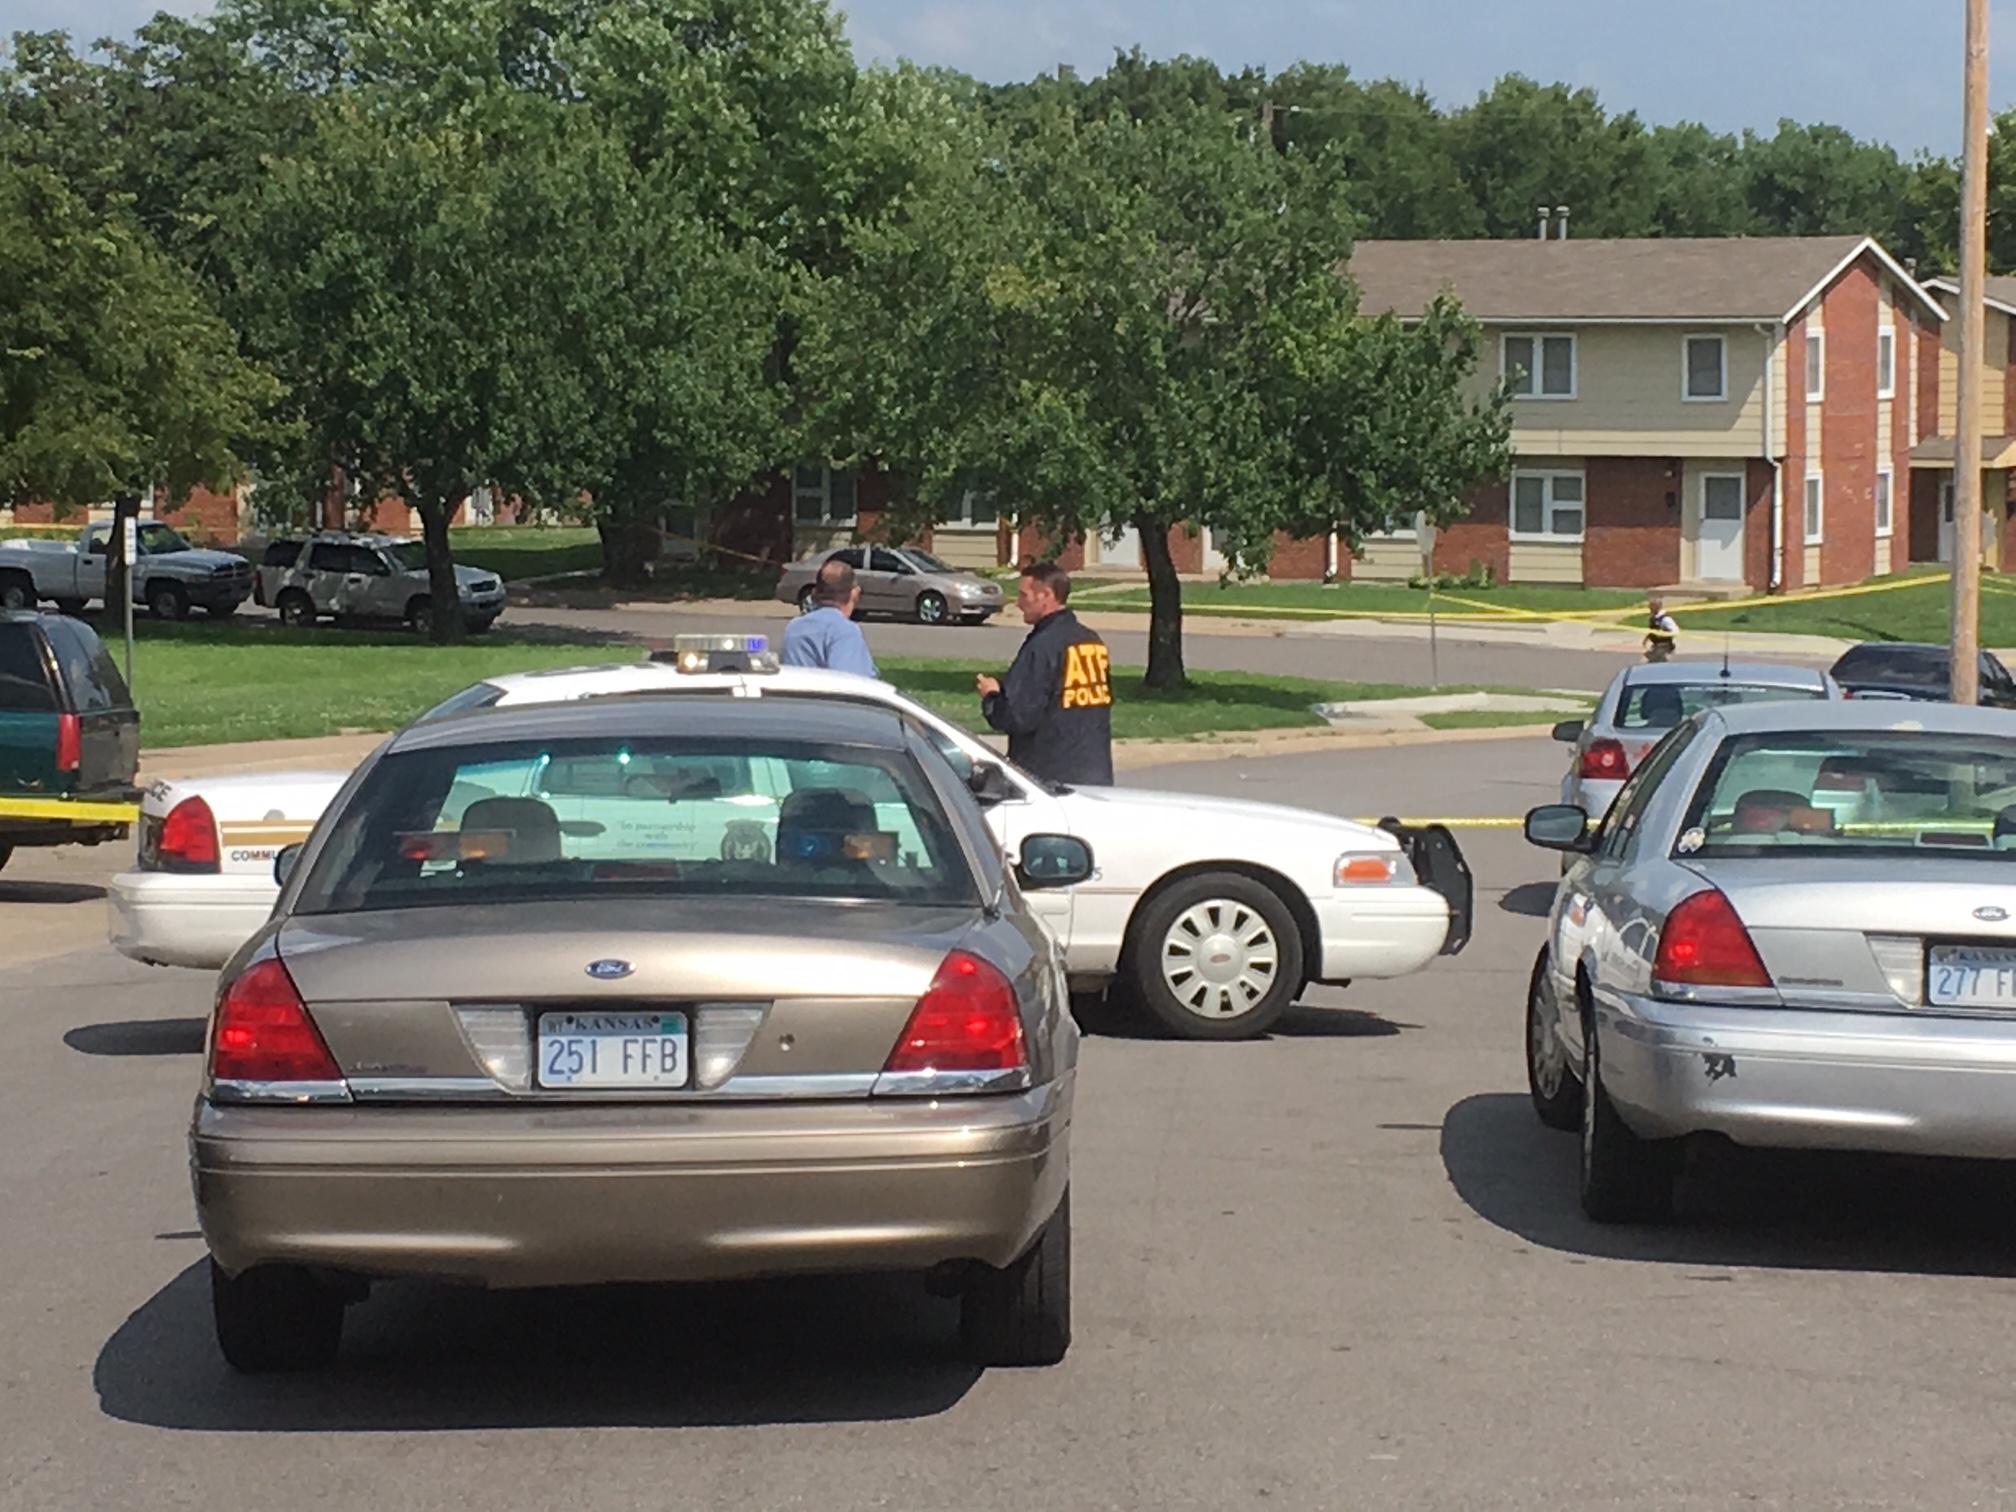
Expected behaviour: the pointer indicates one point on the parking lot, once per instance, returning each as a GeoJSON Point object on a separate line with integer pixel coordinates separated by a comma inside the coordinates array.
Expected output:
{"type": "Point", "coordinates": [1340, 1268]}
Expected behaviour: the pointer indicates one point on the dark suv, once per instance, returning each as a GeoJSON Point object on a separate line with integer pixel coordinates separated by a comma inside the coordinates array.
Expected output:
{"type": "Point", "coordinates": [1916, 670]}
{"type": "Point", "coordinates": [68, 729]}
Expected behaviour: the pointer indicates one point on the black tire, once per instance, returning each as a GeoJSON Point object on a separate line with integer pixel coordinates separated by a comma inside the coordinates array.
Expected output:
{"type": "Point", "coordinates": [1022, 1315]}
{"type": "Point", "coordinates": [71, 607]}
{"type": "Point", "coordinates": [419, 616]}
{"type": "Point", "coordinates": [1556, 1090]}
{"type": "Point", "coordinates": [275, 1318]}
{"type": "Point", "coordinates": [806, 603]}
{"type": "Point", "coordinates": [295, 608]}
{"type": "Point", "coordinates": [167, 601]}
{"type": "Point", "coordinates": [1252, 924]}
{"type": "Point", "coordinates": [5, 852]}
{"type": "Point", "coordinates": [931, 607]}
{"type": "Point", "coordinates": [17, 592]}
{"type": "Point", "coordinates": [1625, 1179]}
{"type": "Point", "coordinates": [220, 611]}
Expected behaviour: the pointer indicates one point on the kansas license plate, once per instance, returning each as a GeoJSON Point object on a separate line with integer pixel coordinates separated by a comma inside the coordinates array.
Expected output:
{"type": "Point", "coordinates": [612, 1049]}
{"type": "Point", "coordinates": [1971, 976]}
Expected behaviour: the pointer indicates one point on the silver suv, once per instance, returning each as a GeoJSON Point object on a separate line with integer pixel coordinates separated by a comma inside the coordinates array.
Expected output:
{"type": "Point", "coordinates": [368, 577]}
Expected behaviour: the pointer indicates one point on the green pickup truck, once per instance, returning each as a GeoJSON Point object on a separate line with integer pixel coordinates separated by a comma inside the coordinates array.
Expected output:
{"type": "Point", "coordinates": [68, 731]}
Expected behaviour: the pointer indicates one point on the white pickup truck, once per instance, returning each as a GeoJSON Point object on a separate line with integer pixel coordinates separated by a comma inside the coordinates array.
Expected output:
{"type": "Point", "coordinates": [168, 575]}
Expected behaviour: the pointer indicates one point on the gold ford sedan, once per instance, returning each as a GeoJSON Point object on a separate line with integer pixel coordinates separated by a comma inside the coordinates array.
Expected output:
{"type": "Point", "coordinates": [651, 989]}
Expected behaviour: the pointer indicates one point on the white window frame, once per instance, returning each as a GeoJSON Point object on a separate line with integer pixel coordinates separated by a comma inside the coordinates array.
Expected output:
{"type": "Point", "coordinates": [1886, 501]}
{"type": "Point", "coordinates": [1539, 338]}
{"type": "Point", "coordinates": [803, 493]}
{"type": "Point", "coordinates": [1886, 370]}
{"type": "Point", "coordinates": [1687, 367]}
{"type": "Point", "coordinates": [1813, 509]}
{"type": "Point", "coordinates": [1548, 505]}
{"type": "Point", "coordinates": [1816, 364]}
{"type": "Point", "coordinates": [961, 518]}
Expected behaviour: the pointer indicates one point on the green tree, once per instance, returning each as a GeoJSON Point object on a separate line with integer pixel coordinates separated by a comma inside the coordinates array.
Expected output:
{"type": "Point", "coordinates": [118, 375]}
{"type": "Point", "coordinates": [1524, 145]}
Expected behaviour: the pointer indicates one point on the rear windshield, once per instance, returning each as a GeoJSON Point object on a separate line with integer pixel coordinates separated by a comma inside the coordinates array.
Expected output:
{"type": "Point", "coordinates": [88, 669]}
{"type": "Point", "coordinates": [1826, 793]}
{"type": "Point", "coordinates": [24, 677]}
{"type": "Point", "coordinates": [591, 818]}
{"type": "Point", "coordinates": [1910, 666]}
{"type": "Point", "coordinates": [1662, 705]}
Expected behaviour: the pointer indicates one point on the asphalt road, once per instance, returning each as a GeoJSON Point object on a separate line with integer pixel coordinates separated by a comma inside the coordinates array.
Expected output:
{"type": "Point", "coordinates": [1342, 1268]}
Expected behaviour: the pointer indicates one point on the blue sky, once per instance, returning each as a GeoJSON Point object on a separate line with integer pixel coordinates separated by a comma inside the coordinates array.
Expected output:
{"type": "Point", "coordinates": [1881, 68]}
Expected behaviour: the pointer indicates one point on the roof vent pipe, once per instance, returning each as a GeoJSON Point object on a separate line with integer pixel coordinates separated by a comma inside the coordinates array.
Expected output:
{"type": "Point", "coordinates": [1546, 213]}
{"type": "Point", "coordinates": [1562, 211]}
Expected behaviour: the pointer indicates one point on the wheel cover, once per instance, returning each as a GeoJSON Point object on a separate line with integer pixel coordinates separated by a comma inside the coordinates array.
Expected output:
{"type": "Point", "coordinates": [930, 608]}
{"type": "Point", "coordinates": [13, 596]}
{"type": "Point", "coordinates": [1220, 958]}
{"type": "Point", "coordinates": [1545, 1054]}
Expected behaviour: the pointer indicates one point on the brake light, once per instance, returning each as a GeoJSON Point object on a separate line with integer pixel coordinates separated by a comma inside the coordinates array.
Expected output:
{"type": "Point", "coordinates": [69, 743]}
{"type": "Point", "coordinates": [966, 1021]}
{"type": "Point", "coordinates": [263, 1033]}
{"type": "Point", "coordinates": [1605, 761]}
{"type": "Point", "coordinates": [188, 840]}
{"type": "Point", "coordinates": [1704, 944]}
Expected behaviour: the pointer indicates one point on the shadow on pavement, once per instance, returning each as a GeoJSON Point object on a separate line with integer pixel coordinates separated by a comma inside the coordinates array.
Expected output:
{"type": "Point", "coordinates": [1535, 900]}
{"type": "Point", "coordinates": [1107, 1019]}
{"type": "Point", "coordinates": [178, 1036]}
{"type": "Point", "coordinates": [424, 1358]}
{"type": "Point", "coordinates": [1796, 1210]}
{"type": "Point", "coordinates": [49, 892]}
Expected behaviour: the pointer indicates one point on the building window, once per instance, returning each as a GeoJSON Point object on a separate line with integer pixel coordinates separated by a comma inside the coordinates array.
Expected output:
{"type": "Point", "coordinates": [1814, 521]}
{"type": "Point", "coordinates": [1886, 362]}
{"type": "Point", "coordinates": [1547, 506]}
{"type": "Point", "coordinates": [1816, 364]}
{"type": "Point", "coordinates": [822, 495]}
{"type": "Point", "coordinates": [1539, 367]}
{"type": "Point", "coordinates": [1883, 477]}
{"type": "Point", "coordinates": [974, 511]}
{"type": "Point", "coordinates": [1707, 375]}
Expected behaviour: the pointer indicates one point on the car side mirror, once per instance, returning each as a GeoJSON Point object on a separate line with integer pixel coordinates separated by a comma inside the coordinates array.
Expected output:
{"type": "Point", "coordinates": [284, 859]}
{"type": "Point", "coordinates": [1053, 861]}
{"type": "Point", "coordinates": [990, 785]}
{"type": "Point", "coordinates": [1560, 826]}
{"type": "Point", "coordinates": [1570, 730]}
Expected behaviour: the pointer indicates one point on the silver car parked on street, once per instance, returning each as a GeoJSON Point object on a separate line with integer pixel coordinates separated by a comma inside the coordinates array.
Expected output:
{"type": "Point", "coordinates": [901, 581]}
{"type": "Point", "coordinates": [1796, 928]}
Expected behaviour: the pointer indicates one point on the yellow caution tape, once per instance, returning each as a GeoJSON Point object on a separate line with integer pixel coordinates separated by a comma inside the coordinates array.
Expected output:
{"type": "Point", "coordinates": [63, 808]}
{"type": "Point", "coordinates": [1472, 822]}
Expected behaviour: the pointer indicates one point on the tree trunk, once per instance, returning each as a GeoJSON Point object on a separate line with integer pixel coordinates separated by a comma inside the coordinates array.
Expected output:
{"type": "Point", "coordinates": [628, 545]}
{"type": "Point", "coordinates": [1165, 606]}
{"type": "Point", "coordinates": [444, 594]}
{"type": "Point", "coordinates": [119, 571]}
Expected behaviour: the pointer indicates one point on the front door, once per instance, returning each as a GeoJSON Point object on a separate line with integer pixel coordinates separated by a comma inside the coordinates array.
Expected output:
{"type": "Point", "coordinates": [1718, 544]}
{"type": "Point", "coordinates": [1121, 547]}
{"type": "Point", "coordinates": [885, 586]}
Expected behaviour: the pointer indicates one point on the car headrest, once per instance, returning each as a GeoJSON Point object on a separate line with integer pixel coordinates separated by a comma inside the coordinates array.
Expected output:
{"type": "Point", "coordinates": [532, 828]}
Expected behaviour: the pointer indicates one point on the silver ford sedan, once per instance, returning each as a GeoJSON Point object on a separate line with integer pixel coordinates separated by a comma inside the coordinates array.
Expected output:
{"type": "Point", "coordinates": [1796, 928]}
{"type": "Point", "coordinates": [662, 989]}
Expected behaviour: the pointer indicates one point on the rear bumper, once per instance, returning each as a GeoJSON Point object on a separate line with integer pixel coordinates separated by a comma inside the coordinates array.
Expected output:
{"type": "Point", "coordinates": [1380, 931]}
{"type": "Point", "coordinates": [1593, 795]}
{"type": "Point", "coordinates": [576, 1195]}
{"type": "Point", "coordinates": [1809, 1079]}
{"type": "Point", "coordinates": [168, 919]}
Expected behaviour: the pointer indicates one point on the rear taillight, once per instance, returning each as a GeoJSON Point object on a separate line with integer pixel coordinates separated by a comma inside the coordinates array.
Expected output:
{"type": "Point", "coordinates": [1605, 761]}
{"type": "Point", "coordinates": [188, 841]}
{"type": "Point", "coordinates": [964, 1034]}
{"type": "Point", "coordinates": [69, 743]}
{"type": "Point", "coordinates": [1704, 944]}
{"type": "Point", "coordinates": [263, 1035]}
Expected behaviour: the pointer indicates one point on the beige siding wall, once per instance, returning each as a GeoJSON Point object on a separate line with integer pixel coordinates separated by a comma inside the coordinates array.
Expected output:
{"type": "Point", "coordinates": [1994, 376]}
{"type": "Point", "coordinates": [966, 548]}
{"type": "Point", "coordinates": [1545, 562]}
{"type": "Point", "coordinates": [1812, 563]}
{"type": "Point", "coordinates": [1628, 396]}
{"type": "Point", "coordinates": [1393, 560]}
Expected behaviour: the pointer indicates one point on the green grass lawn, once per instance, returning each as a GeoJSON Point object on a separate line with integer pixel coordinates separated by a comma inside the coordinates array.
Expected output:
{"type": "Point", "coordinates": [1915, 611]}
{"type": "Point", "coordinates": [516, 552]}
{"type": "Point", "coordinates": [1315, 600]}
{"type": "Point", "coordinates": [205, 684]}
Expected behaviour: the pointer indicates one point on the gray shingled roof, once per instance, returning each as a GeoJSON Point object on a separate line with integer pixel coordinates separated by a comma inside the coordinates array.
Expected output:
{"type": "Point", "coordinates": [1751, 278]}
{"type": "Point", "coordinates": [2000, 289]}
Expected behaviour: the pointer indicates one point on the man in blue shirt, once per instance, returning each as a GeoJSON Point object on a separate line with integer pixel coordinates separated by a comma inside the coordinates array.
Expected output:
{"type": "Point", "coordinates": [827, 636]}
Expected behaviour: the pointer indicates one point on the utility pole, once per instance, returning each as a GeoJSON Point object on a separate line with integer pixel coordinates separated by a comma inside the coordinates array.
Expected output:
{"type": "Point", "coordinates": [1965, 683]}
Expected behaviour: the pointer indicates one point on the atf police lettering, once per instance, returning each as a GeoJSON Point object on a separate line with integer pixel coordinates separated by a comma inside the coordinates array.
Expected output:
{"type": "Point", "coordinates": [1086, 685]}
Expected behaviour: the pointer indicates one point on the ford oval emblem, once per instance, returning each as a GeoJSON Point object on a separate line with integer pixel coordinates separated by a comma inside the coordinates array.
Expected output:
{"type": "Point", "coordinates": [610, 970]}
{"type": "Point", "coordinates": [1991, 914]}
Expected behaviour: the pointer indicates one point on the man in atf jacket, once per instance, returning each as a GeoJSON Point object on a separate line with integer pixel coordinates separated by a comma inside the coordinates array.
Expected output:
{"type": "Point", "coordinates": [1055, 704]}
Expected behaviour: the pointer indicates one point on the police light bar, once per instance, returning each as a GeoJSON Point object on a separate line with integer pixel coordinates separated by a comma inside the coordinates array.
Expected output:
{"type": "Point", "coordinates": [717, 653]}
